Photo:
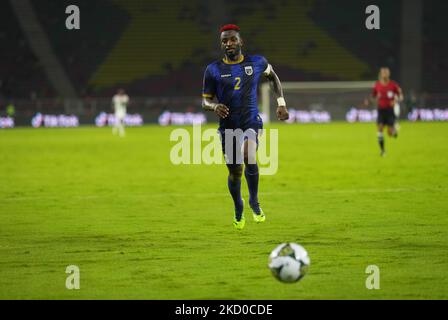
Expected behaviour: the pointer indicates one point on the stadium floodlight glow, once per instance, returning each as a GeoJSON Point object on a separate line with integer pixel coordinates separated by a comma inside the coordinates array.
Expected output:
{"type": "Point", "coordinates": [343, 94]}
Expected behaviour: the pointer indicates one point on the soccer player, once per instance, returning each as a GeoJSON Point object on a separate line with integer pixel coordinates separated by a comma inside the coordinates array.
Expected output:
{"type": "Point", "coordinates": [387, 94]}
{"type": "Point", "coordinates": [119, 104]}
{"type": "Point", "coordinates": [233, 81]}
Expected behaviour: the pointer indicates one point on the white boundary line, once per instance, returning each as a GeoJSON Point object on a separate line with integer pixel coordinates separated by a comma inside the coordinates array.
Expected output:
{"type": "Point", "coordinates": [221, 194]}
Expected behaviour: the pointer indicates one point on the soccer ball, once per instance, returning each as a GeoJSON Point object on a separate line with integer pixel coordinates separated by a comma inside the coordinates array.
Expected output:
{"type": "Point", "coordinates": [289, 262]}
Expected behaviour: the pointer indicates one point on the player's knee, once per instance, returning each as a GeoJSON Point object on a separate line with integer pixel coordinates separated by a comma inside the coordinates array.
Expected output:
{"type": "Point", "coordinates": [250, 154]}
{"type": "Point", "coordinates": [235, 172]}
{"type": "Point", "coordinates": [248, 160]}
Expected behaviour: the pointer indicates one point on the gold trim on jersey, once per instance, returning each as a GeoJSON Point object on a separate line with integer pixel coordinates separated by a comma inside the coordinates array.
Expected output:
{"type": "Point", "coordinates": [233, 62]}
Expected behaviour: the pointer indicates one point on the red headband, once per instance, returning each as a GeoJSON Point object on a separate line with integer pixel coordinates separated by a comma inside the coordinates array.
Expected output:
{"type": "Point", "coordinates": [228, 27]}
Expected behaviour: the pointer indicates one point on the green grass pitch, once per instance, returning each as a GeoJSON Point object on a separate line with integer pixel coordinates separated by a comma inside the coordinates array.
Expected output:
{"type": "Point", "coordinates": [139, 227]}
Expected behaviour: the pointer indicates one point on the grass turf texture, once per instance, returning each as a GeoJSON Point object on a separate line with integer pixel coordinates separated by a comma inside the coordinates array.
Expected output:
{"type": "Point", "coordinates": [139, 227]}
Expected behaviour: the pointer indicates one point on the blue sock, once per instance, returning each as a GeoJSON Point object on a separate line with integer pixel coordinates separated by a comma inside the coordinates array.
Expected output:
{"type": "Point", "coordinates": [235, 191]}
{"type": "Point", "coordinates": [251, 173]}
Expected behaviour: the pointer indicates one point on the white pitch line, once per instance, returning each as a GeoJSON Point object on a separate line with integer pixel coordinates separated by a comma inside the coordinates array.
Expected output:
{"type": "Point", "coordinates": [221, 194]}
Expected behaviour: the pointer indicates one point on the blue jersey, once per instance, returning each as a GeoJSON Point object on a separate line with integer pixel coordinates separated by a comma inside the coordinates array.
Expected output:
{"type": "Point", "coordinates": [234, 84]}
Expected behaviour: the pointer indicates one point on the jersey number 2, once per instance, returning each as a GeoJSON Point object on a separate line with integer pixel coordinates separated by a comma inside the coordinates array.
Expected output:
{"type": "Point", "coordinates": [237, 84]}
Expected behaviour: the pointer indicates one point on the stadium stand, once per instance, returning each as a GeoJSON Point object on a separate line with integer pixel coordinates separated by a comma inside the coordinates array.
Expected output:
{"type": "Point", "coordinates": [21, 75]}
{"type": "Point", "coordinates": [435, 46]}
{"type": "Point", "coordinates": [81, 51]}
{"type": "Point", "coordinates": [160, 48]}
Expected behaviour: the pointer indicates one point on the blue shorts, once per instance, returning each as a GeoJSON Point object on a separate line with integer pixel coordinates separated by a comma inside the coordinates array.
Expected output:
{"type": "Point", "coordinates": [233, 134]}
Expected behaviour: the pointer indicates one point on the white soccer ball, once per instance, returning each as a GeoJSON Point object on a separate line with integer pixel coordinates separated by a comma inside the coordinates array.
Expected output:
{"type": "Point", "coordinates": [289, 262]}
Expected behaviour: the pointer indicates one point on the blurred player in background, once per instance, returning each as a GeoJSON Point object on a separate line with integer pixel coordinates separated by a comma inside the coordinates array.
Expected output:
{"type": "Point", "coordinates": [119, 104]}
{"type": "Point", "coordinates": [387, 95]}
{"type": "Point", "coordinates": [233, 81]}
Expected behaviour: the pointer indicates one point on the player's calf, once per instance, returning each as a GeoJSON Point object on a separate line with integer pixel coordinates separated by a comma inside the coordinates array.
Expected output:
{"type": "Point", "coordinates": [392, 132]}
{"type": "Point", "coordinates": [234, 185]}
{"type": "Point", "coordinates": [381, 142]}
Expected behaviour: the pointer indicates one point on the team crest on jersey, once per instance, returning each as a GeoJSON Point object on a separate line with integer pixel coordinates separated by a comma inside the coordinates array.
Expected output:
{"type": "Point", "coordinates": [249, 71]}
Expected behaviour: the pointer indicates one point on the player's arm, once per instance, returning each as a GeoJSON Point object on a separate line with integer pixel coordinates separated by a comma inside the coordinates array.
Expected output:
{"type": "Point", "coordinates": [372, 99]}
{"type": "Point", "coordinates": [128, 102]}
{"type": "Point", "coordinates": [207, 104]}
{"type": "Point", "coordinates": [208, 92]}
{"type": "Point", "coordinates": [400, 96]}
{"type": "Point", "coordinates": [276, 85]}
